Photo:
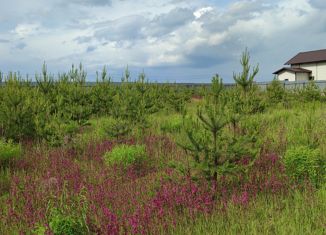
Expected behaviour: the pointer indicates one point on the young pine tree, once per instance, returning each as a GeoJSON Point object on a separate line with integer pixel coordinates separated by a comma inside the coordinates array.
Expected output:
{"type": "Point", "coordinates": [245, 79]}
{"type": "Point", "coordinates": [204, 134]}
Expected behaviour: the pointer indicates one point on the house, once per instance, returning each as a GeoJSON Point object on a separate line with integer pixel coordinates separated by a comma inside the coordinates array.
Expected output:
{"type": "Point", "coordinates": [305, 66]}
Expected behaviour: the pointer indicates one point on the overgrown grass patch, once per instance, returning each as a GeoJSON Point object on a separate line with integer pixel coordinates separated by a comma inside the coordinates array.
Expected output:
{"type": "Point", "coordinates": [9, 150]}
{"type": "Point", "coordinates": [126, 155]}
{"type": "Point", "coordinates": [296, 213]}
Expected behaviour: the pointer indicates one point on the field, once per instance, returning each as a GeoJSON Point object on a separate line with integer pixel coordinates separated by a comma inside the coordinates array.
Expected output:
{"type": "Point", "coordinates": [143, 158]}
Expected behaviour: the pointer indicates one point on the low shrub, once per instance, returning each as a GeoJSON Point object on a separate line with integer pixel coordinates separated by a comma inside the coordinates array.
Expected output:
{"type": "Point", "coordinates": [310, 92]}
{"type": "Point", "coordinates": [67, 225]}
{"type": "Point", "coordinates": [57, 133]}
{"type": "Point", "coordinates": [126, 155]}
{"type": "Point", "coordinates": [117, 128]}
{"type": "Point", "coordinates": [303, 163]}
{"type": "Point", "coordinates": [275, 92]}
{"type": "Point", "coordinates": [172, 125]}
{"type": "Point", "coordinates": [17, 103]}
{"type": "Point", "coordinates": [9, 150]}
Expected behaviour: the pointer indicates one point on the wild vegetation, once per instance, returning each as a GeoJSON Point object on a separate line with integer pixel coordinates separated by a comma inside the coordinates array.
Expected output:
{"type": "Point", "coordinates": [143, 158]}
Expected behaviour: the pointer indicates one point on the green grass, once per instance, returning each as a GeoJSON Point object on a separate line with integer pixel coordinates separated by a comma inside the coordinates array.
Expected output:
{"type": "Point", "coordinates": [298, 213]}
{"type": "Point", "coordinates": [173, 124]}
{"type": "Point", "coordinates": [9, 150]}
{"type": "Point", "coordinates": [278, 128]}
{"type": "Point", "coordinates": [126, 155]}
{"type": "Point", "coordinates": [5, 177]}
{"type": "Point", "coordinates": [303, 124]}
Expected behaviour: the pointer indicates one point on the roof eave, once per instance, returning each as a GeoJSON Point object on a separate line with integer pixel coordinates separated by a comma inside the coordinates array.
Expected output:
{"type": "Point", "coordinates": [291, 71]}
{"type": "Point", "coordinates": [307, 62]}
{"type": "Point", "coordinates": [282, 69]}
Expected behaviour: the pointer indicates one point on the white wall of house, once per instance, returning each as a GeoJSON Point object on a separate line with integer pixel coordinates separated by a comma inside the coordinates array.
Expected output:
{"type": "Point", "coordinates": [318, 70]}
{"type": "Point", "coordinates": [286, 75]}
{"type": "Point", "coordinates": [312, 67]}
{"type": "Point", "coordinates": [321, 71]}
{"type": "Point", "coordinates": [302, 77]}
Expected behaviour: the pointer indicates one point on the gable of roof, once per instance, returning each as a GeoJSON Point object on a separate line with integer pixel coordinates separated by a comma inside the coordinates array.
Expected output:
{"type": "Point", "coordinates": [293, 70]}
{"type": "Point", "coordinates": [308, 57]}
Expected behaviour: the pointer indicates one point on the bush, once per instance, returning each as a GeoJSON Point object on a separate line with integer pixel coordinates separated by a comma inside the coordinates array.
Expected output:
{"type": "Point", "coordinates": [275, 92]}
{"type": "Point", "coordinates": [311, 92]}
{"type": "Point", "coordinates": [172, 125]}
{"type": "Point", "coordinates": [177, 98]}
{"type": "Point", "coordinates": [16, 103]}
{"type": "Point", "coordinates": [55, 130]}
{"type": "Point", "coordinates": [67, 225]}
{"type": "Point", "coordinates": [9, 150]}
{"type": "Point", "coordinates": [117, 128]}
{"type": "Point", "coordinates": [305, 163]}
{"type": "Point", "coordinates": [126, 155]}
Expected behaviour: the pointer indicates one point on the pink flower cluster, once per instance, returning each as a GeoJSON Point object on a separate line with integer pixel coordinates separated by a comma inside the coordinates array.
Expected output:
{"type": "Point", "coordinates": [127, 201]}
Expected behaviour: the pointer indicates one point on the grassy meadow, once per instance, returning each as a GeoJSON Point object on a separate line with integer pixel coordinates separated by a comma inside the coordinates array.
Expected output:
{"type": "Point", "coordinates": [143, 158]}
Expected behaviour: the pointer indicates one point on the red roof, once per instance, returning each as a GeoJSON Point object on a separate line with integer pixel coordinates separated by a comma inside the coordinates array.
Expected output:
{"type": "Point", "coordinates": [293, 70]}
{"type": "Point", "coordinates": [308, 57]}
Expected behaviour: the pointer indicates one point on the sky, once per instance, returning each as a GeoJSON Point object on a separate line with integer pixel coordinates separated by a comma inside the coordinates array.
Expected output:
{"type": "Point", "coordinates": [171, 40]}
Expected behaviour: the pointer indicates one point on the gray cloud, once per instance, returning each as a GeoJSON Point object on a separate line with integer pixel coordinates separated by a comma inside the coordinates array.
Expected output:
{"type": "Point", "coordinates": [204, 56]}
{"type": "Point", "coordinates": [318, 3]}
{"type": "Point", "coordinates": [83, 39]}
{"type": "Point", "coordinates": [91, 48]}
{"type": "Point", "coordinates": [4, 40]}
{"type": "Point", "coordinates": [20, 45]}
{"type": "Point", "coordinates": [166, 23]}
{"type": "Point", "coordinates": [125, 28]}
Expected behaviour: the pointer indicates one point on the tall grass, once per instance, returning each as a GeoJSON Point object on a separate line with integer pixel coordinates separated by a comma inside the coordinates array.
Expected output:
{"type": "Point", "coordinates": [297, 213]}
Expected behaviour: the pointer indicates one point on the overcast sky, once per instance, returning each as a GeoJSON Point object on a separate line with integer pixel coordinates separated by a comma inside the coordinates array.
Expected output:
{"type": "Point", "coordinates": [172, 40]}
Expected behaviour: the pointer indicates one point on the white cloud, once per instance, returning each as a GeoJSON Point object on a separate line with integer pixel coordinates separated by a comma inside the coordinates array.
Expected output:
{"type": "Point", "coordinates": [198, 13]}
{"type": "Point", "coordinates": [26, 29]}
